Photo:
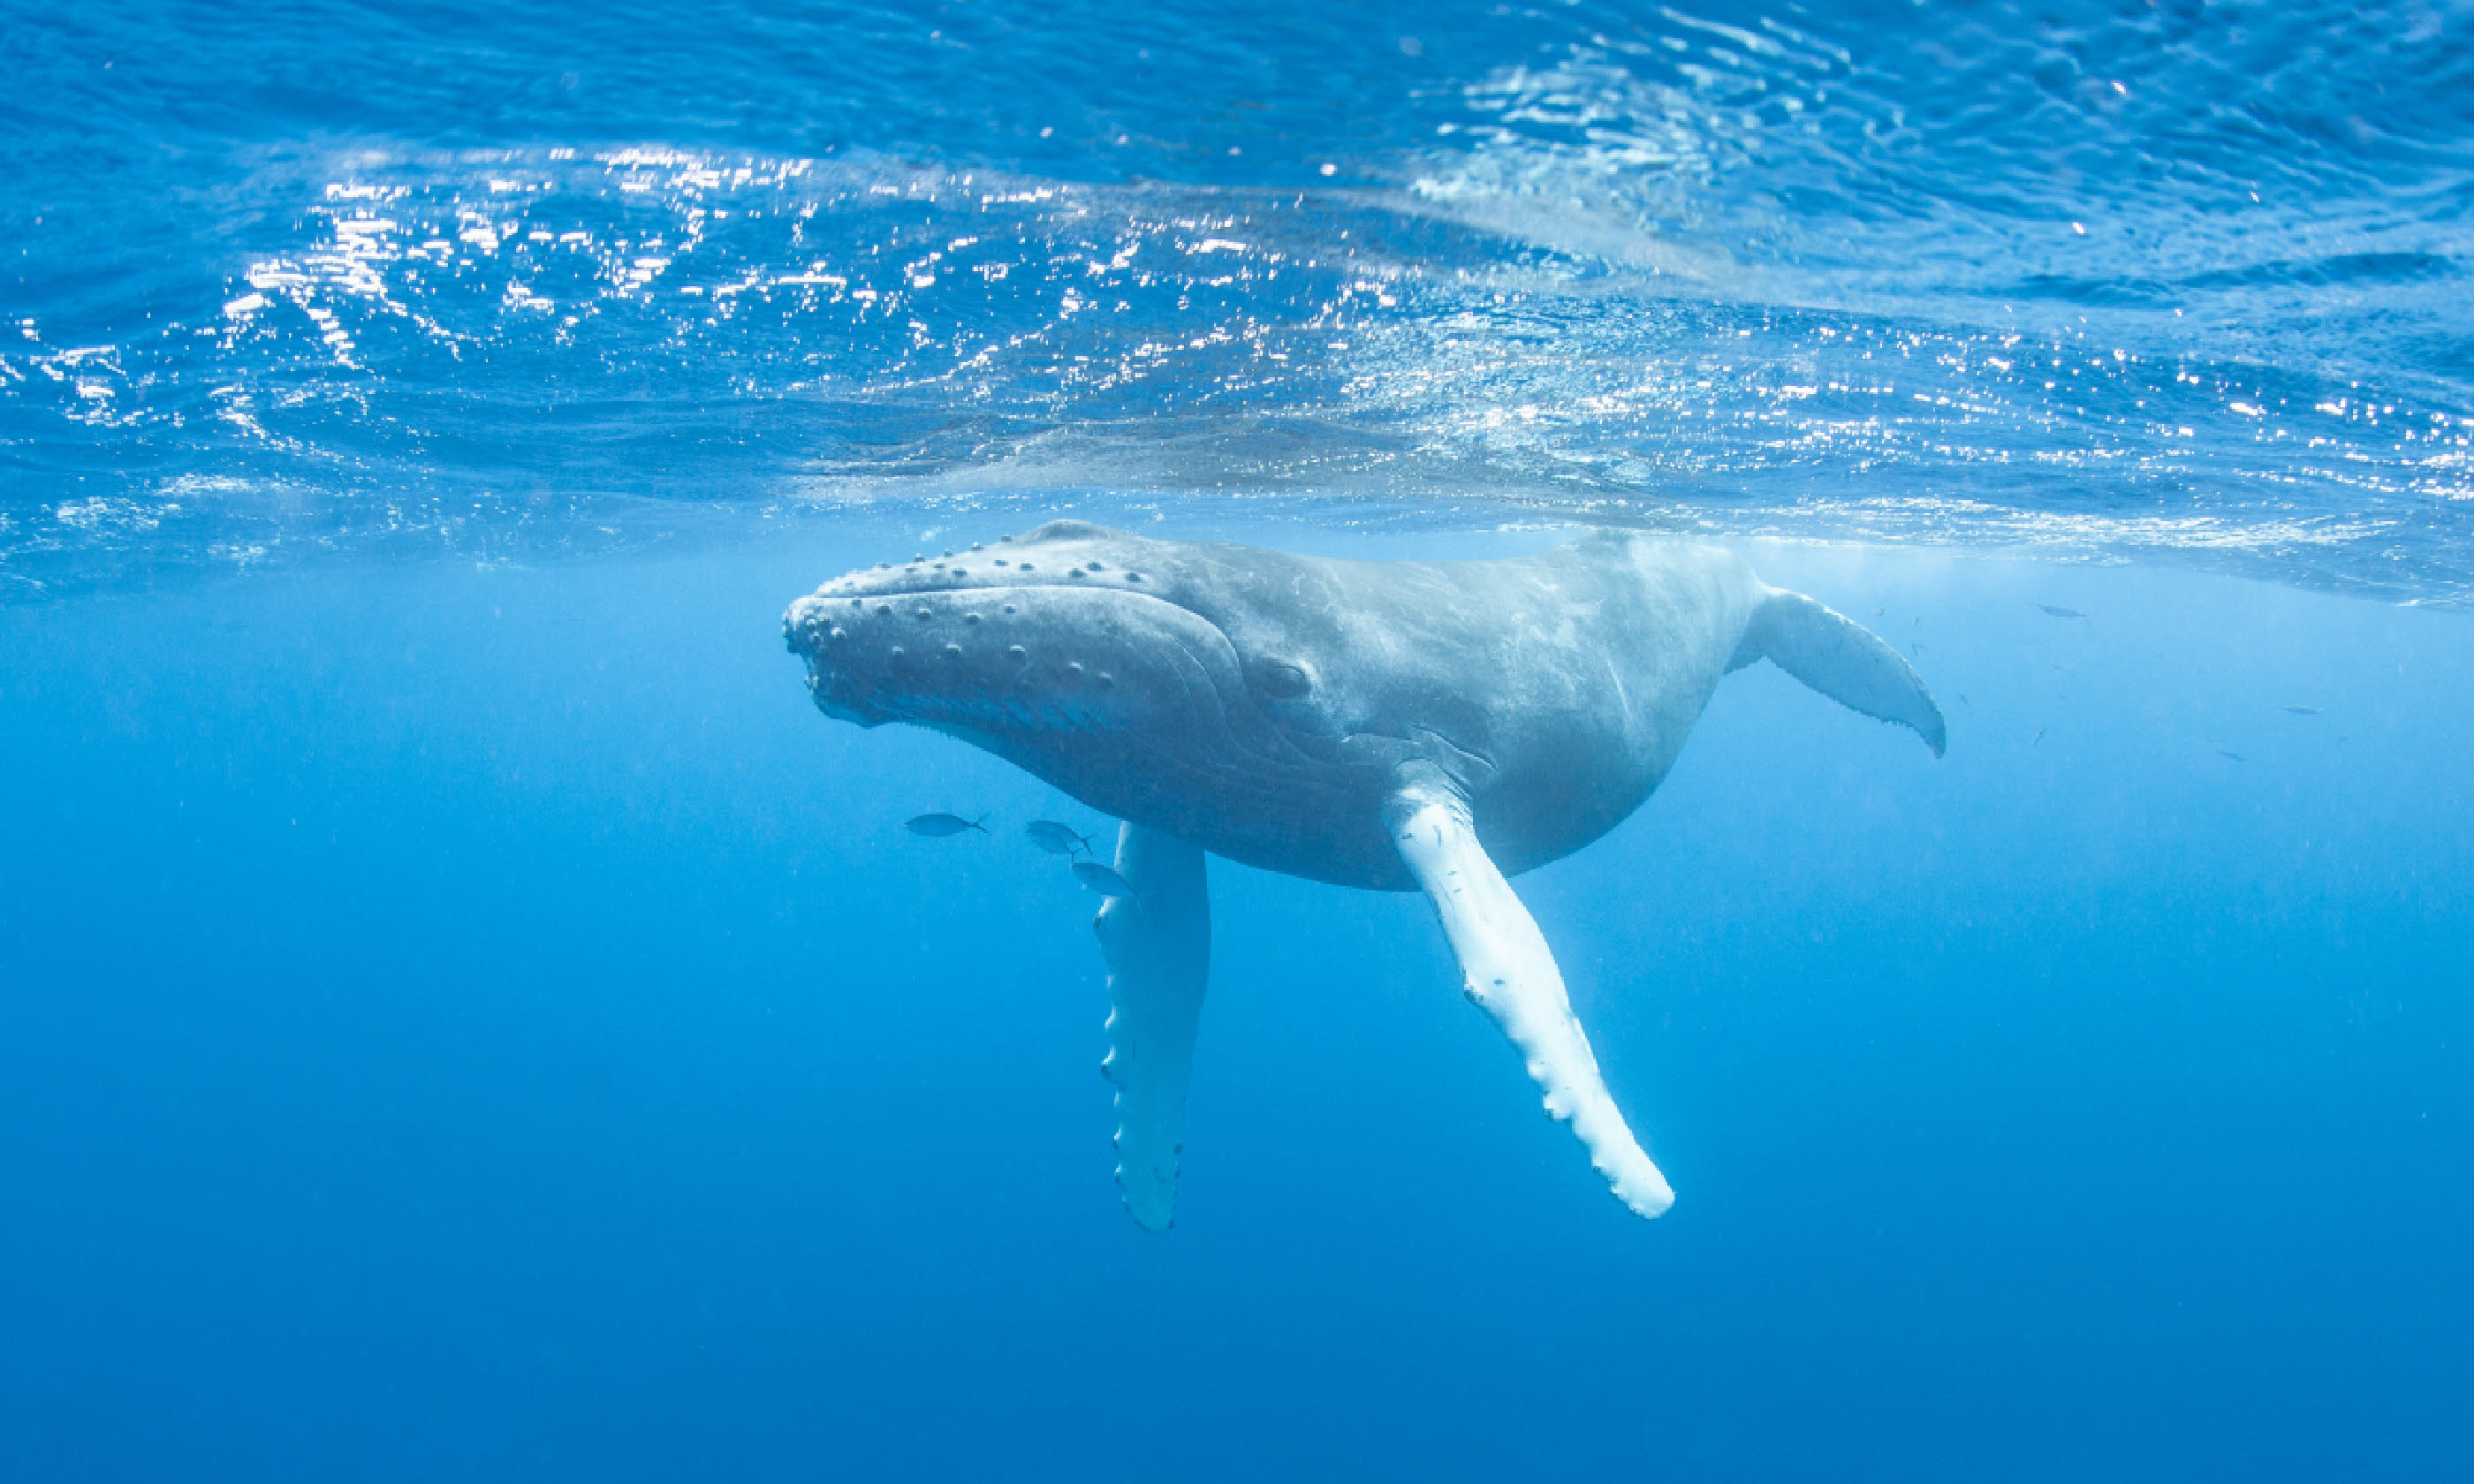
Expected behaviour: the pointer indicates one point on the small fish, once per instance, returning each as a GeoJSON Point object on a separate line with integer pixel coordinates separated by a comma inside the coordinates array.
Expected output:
{"type": "Point", "coordinates": [1056, 839]}
{"type": "Point", "coordinates": [2038, 737]}
{"type": "Point", "coordinates": [2061, 612]}
{"type": "Point", "coordinates": [938, 826]}
{"type": "Point", "coordinates": [2236, 757]}
{"type": "Point", "coordinates": [1099, 879]}
{"type": "Point", "coordinates": [2302, 710]}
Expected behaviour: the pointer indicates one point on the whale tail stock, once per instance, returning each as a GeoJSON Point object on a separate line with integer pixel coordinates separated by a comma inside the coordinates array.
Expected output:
{"type": "Point", "coordinates": [1842, 660]}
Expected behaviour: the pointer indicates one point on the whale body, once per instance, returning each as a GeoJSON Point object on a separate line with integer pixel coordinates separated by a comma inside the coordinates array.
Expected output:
{"type": "Point", "coordinates": [1397, 725]}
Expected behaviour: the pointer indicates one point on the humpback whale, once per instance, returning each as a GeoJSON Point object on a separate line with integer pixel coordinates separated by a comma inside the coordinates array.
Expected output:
{"type": "Point", "coordinates": [1395, 726]}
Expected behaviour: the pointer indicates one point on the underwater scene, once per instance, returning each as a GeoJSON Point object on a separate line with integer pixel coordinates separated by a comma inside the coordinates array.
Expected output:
{"type": "Point", "coordinates": [782, 741]}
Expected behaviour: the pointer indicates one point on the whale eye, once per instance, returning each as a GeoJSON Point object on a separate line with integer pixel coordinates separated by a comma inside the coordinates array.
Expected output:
{"type": "Point", "coordinates": [1281, 681]}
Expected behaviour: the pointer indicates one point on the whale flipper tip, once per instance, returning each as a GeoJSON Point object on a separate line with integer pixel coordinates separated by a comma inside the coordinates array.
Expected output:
{"type": "Point", "coordinates": [1845, 661]}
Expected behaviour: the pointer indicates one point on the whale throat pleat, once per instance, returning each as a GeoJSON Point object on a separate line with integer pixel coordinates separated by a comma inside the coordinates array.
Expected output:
{"type": "Point", "coordinates": [1509, 972]}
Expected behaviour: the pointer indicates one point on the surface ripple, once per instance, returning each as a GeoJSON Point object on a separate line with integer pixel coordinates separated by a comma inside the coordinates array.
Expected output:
{"type": "Point", "coordinates": [2098, 279]}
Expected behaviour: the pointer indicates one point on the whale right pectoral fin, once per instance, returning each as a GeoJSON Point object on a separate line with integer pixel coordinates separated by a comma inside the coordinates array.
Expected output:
{"type": "Point", "coordinates": [1844, 660]}
{"type": "Point", "coordinates": [1158, 947]}
{"type": "Point", "coordinates": [1509, 972]}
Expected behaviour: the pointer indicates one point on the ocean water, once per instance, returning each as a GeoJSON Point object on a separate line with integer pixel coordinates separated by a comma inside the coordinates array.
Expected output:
{"type": "Point", "coordinates": [465, 1015]}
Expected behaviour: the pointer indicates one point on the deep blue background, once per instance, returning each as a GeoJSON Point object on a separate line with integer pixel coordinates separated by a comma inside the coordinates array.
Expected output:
{"type": "Point", "coordinates": [482, 1023]}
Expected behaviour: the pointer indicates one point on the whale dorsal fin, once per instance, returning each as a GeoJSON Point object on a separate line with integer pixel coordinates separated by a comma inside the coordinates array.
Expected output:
{"type": "Point", "coordinates": [1158, 946]}
{"type": "Point", "coordinates": [1842, 660]}
{"type": "Point", "coordinates": [1507, 970]}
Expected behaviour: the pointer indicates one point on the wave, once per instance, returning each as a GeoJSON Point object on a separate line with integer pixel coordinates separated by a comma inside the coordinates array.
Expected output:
{"type": "Point", "coordinates": [2180, 282]}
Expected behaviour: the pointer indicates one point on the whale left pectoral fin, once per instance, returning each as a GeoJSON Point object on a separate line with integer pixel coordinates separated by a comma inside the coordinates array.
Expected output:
{"type": "Point", "coordinates": [1508, 972]}
{"type": "Point", "coordinates": [1844, 660]}
{"type": "Point", "coordinates": [1158, 947]}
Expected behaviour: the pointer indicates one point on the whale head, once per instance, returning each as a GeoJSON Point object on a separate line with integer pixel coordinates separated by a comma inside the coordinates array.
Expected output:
{"type": "Point", "coordinates": [1157, 681]}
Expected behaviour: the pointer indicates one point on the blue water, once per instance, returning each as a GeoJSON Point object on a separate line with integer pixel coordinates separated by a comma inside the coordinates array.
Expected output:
{"type": "Point", "coordinates": [464, 1014]}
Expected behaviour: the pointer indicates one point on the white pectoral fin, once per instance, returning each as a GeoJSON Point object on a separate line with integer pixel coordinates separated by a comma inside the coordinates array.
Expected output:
{"type": "Point", "coordinates": [1510, 973]}
{"type": "Point", "coordinates": [1845, 661]}
{"type": "Point", "coordinates": [1158, 946]}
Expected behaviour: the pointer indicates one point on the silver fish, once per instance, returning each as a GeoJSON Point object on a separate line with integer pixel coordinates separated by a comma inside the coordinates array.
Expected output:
{"type": "Point", "coordinates": [1056, 839]}
{"type": "Point", "coordinates": [1099, 879]}
{"type": "Point", "coordinates": [2061, 612]}
{"type": "Point", "coordinates": [939, 827]}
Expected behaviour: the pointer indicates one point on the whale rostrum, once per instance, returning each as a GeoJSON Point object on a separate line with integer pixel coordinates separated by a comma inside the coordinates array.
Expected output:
{"type": "Point", "coordinates": [1398, 725]}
